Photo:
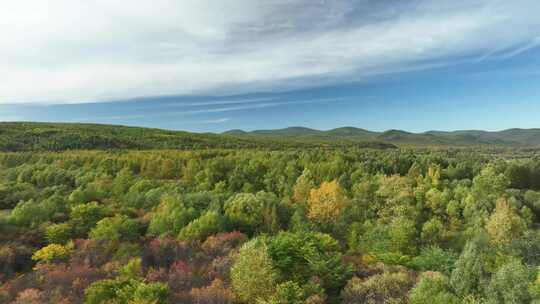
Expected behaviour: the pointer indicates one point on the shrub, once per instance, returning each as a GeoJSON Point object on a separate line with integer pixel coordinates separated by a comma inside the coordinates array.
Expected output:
{"type": "Point", "coordinates": [53, 253]}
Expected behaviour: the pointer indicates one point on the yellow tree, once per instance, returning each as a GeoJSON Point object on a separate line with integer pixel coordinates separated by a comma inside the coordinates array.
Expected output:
{"type": "Point", "coordinates": [326, 203]}
{"type": "Point", "coordinates": [504, 224]}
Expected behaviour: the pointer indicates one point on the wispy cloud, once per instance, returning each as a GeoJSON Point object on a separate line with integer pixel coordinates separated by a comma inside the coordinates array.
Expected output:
{"type": "Point", "coordinates": [123, 49]}
{"type": "Point", "coordinates": [183, 104]}
{"type": "Point", "coordinates": [208, 110]}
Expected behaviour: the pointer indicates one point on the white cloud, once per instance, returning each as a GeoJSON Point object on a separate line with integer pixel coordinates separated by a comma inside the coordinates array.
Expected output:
{"type": "Point", "coordinates": [78, 50]}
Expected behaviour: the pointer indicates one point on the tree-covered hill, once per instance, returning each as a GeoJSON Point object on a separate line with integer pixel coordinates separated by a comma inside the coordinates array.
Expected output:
{"type": "Point", "coordinates": [510, 137]}
{"type": "Point", "coordinates": [31, 136]}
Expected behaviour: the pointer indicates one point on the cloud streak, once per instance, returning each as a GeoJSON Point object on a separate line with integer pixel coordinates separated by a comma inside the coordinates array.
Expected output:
{"type": "Point", "coordinates": [223, 109]}
{"type": "Point", "coordinates": [62, 51]}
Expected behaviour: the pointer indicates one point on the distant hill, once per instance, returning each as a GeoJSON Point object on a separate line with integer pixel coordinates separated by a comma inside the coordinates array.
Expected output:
{"type": "Point", "coordinates": [510, 137]}
{"type": "Point", "coordinates": [34, 136]}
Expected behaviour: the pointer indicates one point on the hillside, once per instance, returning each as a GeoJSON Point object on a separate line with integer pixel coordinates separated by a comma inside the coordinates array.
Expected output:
{"type": "Point", "coordinates": [31, 136]}
{"type": "Point", "coordinates": [510, 137]}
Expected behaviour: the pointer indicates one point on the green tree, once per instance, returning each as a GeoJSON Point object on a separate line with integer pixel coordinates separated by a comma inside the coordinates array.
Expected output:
{"type": "Point", "coordinates": [509, 285]}
{"type": "Point", "coordinates": [171, 216]}
{"type": "Point", "coordinates": [206, 225]}
{"type": "Point", "coordinates": [433, 288]}
{"type": "Point", "coordinates": [58, 233]}
{"type": "Point", "coordinates": [116, 228]}
{"type": "Point", "coordinates": [253, 213]}
{"type": "Point", "coordinates": [85, 216]}
{"type": "Point", "coordinates": [471, 273]}
{"type": "Point", "coordinates": [253, 276]}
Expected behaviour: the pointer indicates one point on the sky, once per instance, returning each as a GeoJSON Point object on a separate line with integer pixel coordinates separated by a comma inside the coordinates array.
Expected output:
{"type": "Point", "coordinates": [211, 66]}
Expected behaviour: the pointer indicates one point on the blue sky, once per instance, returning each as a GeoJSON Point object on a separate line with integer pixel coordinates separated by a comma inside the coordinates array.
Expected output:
{"type": "Point", "coordinates": [415, 65]}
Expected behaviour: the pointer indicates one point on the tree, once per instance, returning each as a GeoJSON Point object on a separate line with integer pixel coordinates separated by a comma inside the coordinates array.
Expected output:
{"type": "Point", "coordinates": [302, 255]}
{"type": "Point", "coordinates": [85, 216]}
{"type": "Point", "coordinates": [29, 213]}
{"type": "Point", "coordinates": [116, 228]}
{"type": "Point", "coordinates": [434, 258]}
{"type": "Point", "coordinates": [378, 289]}
{"type": "Point", "coordinates": [302, 188]}
{"type": "Point", "coordinates": [509, 285]}
{"type": "Point", "coordinates": [252, 213]}
{"type": "Point", "coordinates": [208, 224]}
{"type": "Point", "coordinates": [432, 288]}
{"type": "Point", "coordinates": [471, 271]}
{"type": "Point", "coordinates": [286, 293]}
{"type": "Point", "coordinates": [326, 203]}
{"type": "Point", "coordinates": [403, 234]}
{"type": "Point", "coordinates": [171, 216]}
{"type": "Point", "coordinates": [504, 225]}
{"type": "Point", "coordinates": [58, 233]}
{"type": "Point", "coordinates": [253, 276]}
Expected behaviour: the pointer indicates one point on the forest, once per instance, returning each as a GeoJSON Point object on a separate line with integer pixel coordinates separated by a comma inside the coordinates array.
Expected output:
{"type": "Point", "coordinates": [254, 221]}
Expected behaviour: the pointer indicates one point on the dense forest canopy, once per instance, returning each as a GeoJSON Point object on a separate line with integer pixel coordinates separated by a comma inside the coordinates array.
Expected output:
{"type": "Point", "coordinates": [271, 223]}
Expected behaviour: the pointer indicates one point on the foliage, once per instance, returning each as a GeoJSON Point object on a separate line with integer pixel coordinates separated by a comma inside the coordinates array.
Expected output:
{"type": "Point", "coordinates": [53, 253]}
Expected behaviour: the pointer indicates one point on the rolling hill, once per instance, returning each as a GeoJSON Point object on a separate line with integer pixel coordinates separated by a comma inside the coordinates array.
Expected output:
{"type": "Point", "coordinates": [510, 137]}
{"type": "Point", "coordinates": [35, 136]}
